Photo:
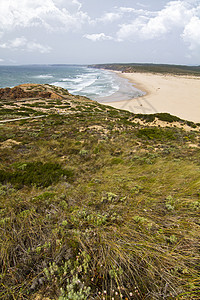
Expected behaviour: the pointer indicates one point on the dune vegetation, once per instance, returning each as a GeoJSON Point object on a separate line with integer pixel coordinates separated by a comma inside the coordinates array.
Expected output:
{"type": "Point", "coordinates": [97, 203]}
{"type": "Point", "coordinates": [152, 68]}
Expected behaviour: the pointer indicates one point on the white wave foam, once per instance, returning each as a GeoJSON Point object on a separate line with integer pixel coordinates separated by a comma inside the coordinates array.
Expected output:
{"type": "Point", "coordinates": [65, 79]}
{"type": "Point", "coordinates": [43, 76]}
{"type": "Point", "coordinates": [76, 80]}
{"type": "Point", "coordinates": [91, 84]}
{"type": "Point", "coordinates": [84, 84]}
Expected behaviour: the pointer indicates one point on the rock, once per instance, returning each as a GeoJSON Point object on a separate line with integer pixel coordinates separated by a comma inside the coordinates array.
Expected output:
{"type": "Point", "coordinates": [19, 93]}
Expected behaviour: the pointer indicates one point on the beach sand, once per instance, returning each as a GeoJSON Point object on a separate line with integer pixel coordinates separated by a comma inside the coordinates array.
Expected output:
{"type": "Point", "coordinates": [177, 95]}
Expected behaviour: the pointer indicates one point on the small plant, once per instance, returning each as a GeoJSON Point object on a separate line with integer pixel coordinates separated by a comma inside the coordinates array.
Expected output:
{"type": "Point", "coordinates": [169, 204]}
{"type": "Point", "coordinates": [195, 205]}
{"type": "Point", "coordinates": [136, 189]}
{"type": "Point", "coordinates": [83, 152]}
{"type": "Point", "coordinates": [172, 239]}
{"type": "Point", "coordinates": [74, 290]}
{"type": "Point", "coordinates": [112, 198]}
{"type": "Point", "coordinates": [116, 161]}
{"type": "Point", "coordinates": [68, 275]}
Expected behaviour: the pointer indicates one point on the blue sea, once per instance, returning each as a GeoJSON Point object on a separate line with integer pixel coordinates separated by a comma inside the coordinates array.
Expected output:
{"type": "Point", "coordinates": [96, 84]}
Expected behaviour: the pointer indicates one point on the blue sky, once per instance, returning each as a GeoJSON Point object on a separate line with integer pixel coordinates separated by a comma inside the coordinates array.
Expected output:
{"type": "Point", "coordinates": [106, 31]}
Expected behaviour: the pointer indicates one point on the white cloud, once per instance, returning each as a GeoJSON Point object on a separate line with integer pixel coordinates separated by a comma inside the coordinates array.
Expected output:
{"type": "Point", "coordinates": [175, 15]}
{"type": "Point", "coordinates": [120, 12]}
{"type": "Point", "coordinates": [1, 59]}
{"type": "Point", "coordinates": [107, 17]}
{"type": "Point", "coordinates": [191, 33]}
{"type": "Point", "coordinates": [52, 14]}
{"type": "Point", "coordinates": [135, 11]}
{"type": "Point", "coordinates": [68, 2]}
{"type": "Point", "coordinates": [14, 44]}
{"type": "Point", "coordinates": [23, 44]}
{"type": "Point", "coordinates": [110, 17]}
{"type": "Point", "coordinates": [127, 9]}
{"type": "Point", "coordinates": [33, 46]}
{"type": "Point", "coordinates": [134, 22]}
{"type": "Point", "coordinates": [97, 37]}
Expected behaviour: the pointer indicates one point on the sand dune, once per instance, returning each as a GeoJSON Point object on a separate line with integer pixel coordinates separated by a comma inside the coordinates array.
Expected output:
{"type": "Point", "coordinates": [177, 95]}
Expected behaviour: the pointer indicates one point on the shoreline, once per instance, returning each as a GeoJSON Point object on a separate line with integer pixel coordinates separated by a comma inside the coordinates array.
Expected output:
{"type": "Point", "coordinates": [138, 85]}
{"type": "Point", "coordinates": [127, 90]}
{"type": "Point", "coordinates": [175, 94]}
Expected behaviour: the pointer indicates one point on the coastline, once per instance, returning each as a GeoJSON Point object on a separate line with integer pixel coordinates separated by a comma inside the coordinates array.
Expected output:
{"type": "Point", "coordinates": [174, 94]}
{"type": "Point", "coordinates": [126, 91]}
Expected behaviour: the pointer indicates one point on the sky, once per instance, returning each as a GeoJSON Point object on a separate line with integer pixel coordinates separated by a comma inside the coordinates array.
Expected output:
{"type": "Point", "coordinates": [105, 31]}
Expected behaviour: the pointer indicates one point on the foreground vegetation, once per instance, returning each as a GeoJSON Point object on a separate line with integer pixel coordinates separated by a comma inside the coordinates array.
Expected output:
{"type": "Point", "coordinates": [95, 204]}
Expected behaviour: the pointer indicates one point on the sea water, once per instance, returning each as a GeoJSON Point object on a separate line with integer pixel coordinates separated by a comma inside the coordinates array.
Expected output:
{"type": "Point", "coordinates": [96, 84]}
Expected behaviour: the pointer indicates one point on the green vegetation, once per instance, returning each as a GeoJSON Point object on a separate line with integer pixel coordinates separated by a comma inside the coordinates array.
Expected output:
{"type": "Point", "coordinates": [34, 173]}
{"type": "Point", "coordinates": [161, 116]}
{"type": "Point", "coordinates": [156, 134]}
{"type": "Point", "coordinates": [152, 68]}
{"type": "Point", "coordinates": [94, 205]}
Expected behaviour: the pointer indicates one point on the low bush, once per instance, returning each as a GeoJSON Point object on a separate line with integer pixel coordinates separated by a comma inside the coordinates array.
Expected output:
{"type": "Point", "coordinates": [35, 173]}
{"type": "Point", "coordinates": [155, 134]}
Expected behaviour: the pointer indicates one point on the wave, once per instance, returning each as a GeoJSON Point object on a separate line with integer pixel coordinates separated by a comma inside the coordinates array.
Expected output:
{"type": "Point", "coordinates": [78, 83]}
{"type": "Point", "coordinates": [73, 80]}
{"type": "Point", "coordinates": [43, 76]}
{"type": "Point", "coordinates": [92, 84]}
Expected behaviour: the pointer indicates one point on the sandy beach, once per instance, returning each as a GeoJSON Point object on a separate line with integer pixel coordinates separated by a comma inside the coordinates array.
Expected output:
{"type": "Point", "coordinates": [177, 95]}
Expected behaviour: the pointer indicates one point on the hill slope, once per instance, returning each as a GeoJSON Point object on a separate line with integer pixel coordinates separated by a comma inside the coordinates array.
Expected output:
{"type": "Point", "coordinates": [152, 68]}
{"type": "Point", "coordinates": [96, 203]}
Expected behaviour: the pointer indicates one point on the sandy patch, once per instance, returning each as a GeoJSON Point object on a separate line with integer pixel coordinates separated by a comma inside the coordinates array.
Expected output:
{"type": "Point", "coordinates": [9, 144]}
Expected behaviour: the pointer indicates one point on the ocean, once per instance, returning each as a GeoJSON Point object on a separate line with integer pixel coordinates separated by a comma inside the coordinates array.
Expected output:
{"type": "Point", "coordinates": [96, 84]}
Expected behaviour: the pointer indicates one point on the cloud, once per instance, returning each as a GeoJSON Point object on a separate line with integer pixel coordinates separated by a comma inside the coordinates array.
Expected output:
{"type": "Point", "coordinates": [33, 46]}
{"type": "Point", "coordinates": [135, 11]}
{"type": "Point", "coordinates": [14, 44]}
{"type": "Point", "coordinates": [97, 37]}
{"type": "Point", "coordinates": [75, 3]}
{"type": "Point", "coordinates": [141, 4]}
{"type": "Point", "coordinates": [110, 17]}
{"type": "Point", "coordinates": [118, 13]}
{"type": "Point", "coordinates": [191, 33]}
{"type": "Point", "coordinates": [127, 9]}
{"type": "Point", "coordinates": [51, 14]}
{"type": "Point", "coordinates": [1, 59]}
{"type": "Point", "coordinates": [136, 22]}
{"type": "Point", "coordinates": [180, 18]}
{"type": "Point", "coordinates": [23, 44]}
{"type": "Point", "coordinates": [176, 14]}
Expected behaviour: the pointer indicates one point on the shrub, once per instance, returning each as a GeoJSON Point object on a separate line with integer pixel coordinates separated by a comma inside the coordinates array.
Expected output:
{"type": "Point", "coordinates": [167, 117]}
{"type": "Point", "coordinates": [155, 134]}
{"type": "Point", "coordinates": [35, 173]}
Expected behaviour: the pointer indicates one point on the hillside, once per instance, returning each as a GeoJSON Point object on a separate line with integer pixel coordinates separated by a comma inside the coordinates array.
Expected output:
{"type": "Point", "coordinates": [95, 202]}
{"type": "Point", "coordinates": [152, 68]}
